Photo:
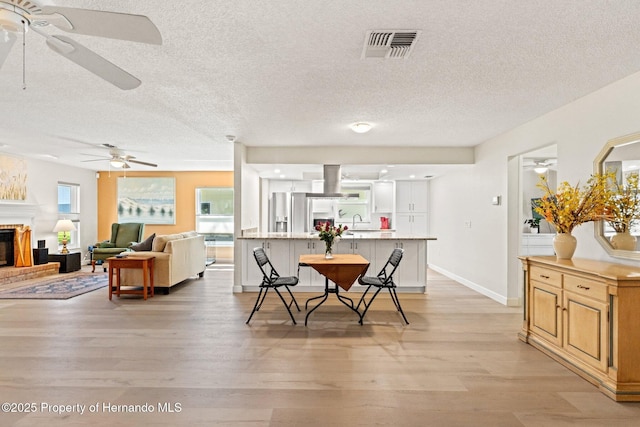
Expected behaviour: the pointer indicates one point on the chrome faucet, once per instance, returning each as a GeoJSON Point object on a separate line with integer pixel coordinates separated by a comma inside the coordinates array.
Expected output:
{"type": "Point", "coordinates": [353, 223]}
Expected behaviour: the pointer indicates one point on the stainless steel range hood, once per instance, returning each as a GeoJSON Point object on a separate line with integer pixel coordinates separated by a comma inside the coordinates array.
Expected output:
{"type": "Point", "coordinates": [331, 187]}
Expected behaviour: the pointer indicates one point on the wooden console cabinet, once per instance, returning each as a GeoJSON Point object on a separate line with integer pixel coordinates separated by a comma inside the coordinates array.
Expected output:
{"type": "Point", "coordinates": [586, 315]}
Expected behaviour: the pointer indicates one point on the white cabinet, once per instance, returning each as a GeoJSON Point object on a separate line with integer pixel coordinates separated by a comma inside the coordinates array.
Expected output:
{"type": "Point", "coordinates": [411, 206]}
{"type": "Point", "coordinates": [383, 196]}
{"type": "Point", "coordinates": [366, 248]}
{"type": "Point", "coordinates": [412, 269]}
{"type": "Point", "coordinates": [411, 196]}
{"type": "Point", "coordinates": [289, 186]}
{"type": "Point", "coordinates": [278, 252]}
{"type": "Point", "coordinates": [306, 275]}
{"type": "Point", "coordinates": [414, 224]}
{"type": "Point", "coordinates": [537, 244]}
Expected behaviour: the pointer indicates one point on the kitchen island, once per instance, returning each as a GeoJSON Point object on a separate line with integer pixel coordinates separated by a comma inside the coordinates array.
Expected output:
{"type": "Point", "coordinates": [284, 250]}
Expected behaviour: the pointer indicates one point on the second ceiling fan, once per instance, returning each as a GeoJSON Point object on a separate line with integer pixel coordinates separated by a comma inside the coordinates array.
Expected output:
{"type": "Point", "coordinates": [119, 159]}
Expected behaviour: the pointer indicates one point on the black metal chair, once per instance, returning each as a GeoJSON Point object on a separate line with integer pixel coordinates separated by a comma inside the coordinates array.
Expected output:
{"type": "Point", "coordinates": [384, 280]}
{"type": "Point", "coordinates": [272, 280]}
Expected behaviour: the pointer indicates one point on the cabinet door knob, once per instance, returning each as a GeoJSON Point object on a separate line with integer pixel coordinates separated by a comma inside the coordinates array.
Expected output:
{"type": "Point", "coordinates": [544, 277]}
{"type": "Point", "coordinates": [586, 288]}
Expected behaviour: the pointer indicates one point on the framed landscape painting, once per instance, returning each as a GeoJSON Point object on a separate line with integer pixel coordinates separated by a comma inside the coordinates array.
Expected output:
{"type": "Point", "coordinates": [147, 200]}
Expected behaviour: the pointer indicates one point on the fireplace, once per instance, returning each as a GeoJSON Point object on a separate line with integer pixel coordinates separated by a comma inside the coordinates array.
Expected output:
{"type": "Point", "coordinates": [6, 247]}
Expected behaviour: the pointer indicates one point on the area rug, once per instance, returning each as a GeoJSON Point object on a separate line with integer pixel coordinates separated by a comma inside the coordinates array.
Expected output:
{"type": "Point", "coordinates": [63, 286]}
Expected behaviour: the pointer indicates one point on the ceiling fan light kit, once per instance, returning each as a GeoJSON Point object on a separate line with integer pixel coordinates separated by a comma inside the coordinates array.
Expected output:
{"type": "Point", "coordinates": [540, 169]}
{"type": "Point", "coordinates": [116, 163]}
{"type": "Point", "coordinates": [17, 16]}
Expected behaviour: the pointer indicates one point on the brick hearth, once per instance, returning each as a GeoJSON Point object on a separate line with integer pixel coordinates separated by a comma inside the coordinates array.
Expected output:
{"type": "Point", "coordinates": [18, 274]}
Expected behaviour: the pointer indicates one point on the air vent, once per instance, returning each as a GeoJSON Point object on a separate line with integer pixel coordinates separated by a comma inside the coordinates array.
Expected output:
{"type": "Point", "coordinates": [396, 44]}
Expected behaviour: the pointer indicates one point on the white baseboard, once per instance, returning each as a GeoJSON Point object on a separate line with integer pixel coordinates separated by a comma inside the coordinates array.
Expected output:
{"type": "Point", "coordinates": [471, 285]}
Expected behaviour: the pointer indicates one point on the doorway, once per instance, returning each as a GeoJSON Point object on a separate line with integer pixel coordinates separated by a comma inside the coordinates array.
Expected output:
{"type": "Point", "coordinates": [524, 171]}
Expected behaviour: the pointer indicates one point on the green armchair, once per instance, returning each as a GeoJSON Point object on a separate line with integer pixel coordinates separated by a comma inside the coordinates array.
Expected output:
{"type": "Point", "coordinates": [122, 237]}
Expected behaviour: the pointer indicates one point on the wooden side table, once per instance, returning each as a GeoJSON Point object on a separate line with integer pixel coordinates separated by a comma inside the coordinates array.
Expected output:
{"type": "Point", "coordinates": [144, 262]}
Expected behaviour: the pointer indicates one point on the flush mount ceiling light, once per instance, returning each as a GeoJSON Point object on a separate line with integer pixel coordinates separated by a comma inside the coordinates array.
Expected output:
{"type": "Point", "coordinates": [361, 127]}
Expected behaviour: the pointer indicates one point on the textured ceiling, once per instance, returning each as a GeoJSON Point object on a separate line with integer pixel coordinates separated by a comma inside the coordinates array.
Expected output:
{"type": "Point", "coordinates": [290, 72]}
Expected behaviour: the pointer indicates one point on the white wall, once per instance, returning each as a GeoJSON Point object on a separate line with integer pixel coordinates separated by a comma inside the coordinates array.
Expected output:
{"type": "Point", "coordinates": [42, 192]}
{"type": "Point", "coordinates": [478, 255]}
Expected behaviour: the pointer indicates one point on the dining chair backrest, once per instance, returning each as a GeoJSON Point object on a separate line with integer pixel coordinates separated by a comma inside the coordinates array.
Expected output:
{"type": "Point", "coordinates": [265, 265]}
{"type": "Point", "coordinates": [386, 274]}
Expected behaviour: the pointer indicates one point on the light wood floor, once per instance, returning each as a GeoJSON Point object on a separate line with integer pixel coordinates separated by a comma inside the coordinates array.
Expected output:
{"type": "Point", "coordinates": [458, 363]}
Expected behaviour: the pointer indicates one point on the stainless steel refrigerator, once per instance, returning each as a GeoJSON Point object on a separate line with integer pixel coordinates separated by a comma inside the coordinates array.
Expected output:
{"type": "Point", "coordinates": [279, 212]}
{"type": "Point", "coordinates": [300, 216]}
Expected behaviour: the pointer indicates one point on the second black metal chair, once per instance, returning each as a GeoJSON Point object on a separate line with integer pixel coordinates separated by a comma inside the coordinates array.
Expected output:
{"type": "Point", "coordinates": [384, 280]}
{"type": "Point", "coordinates": [272, 280]}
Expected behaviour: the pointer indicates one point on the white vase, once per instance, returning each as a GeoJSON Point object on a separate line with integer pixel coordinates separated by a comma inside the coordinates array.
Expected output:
{"type": "Point", "coordinates": [623, 241]}
{"type": "Point", "coordinates": [565, 245]}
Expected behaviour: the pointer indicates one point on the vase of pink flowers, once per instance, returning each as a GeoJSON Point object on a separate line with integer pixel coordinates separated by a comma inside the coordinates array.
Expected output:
{"type": "Point", "coordinates": [329, 234]}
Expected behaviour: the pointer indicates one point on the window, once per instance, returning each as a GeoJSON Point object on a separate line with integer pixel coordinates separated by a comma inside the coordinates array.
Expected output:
{"type": "Point", "coordinates": [214, 213]}
{"type": "Point", "coordinates": [69, 208]}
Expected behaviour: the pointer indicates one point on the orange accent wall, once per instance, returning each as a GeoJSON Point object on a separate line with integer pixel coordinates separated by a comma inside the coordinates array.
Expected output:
{"type": "Point", "coordinates": [186, 184]}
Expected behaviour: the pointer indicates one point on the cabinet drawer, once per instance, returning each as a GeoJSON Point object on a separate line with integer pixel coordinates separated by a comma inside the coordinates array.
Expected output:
{"type": "Point", "coordinates": [588, 288]}
{"type": "Point", "coordinates": [550, 277]}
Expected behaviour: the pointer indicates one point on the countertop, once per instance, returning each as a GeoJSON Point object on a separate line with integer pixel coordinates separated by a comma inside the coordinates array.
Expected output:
{"type": "Point", "coordinates": [359, 235]}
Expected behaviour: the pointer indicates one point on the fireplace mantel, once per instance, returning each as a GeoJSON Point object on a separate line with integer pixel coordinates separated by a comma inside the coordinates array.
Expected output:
{"type": "Point", "coordinates": [18, 213]}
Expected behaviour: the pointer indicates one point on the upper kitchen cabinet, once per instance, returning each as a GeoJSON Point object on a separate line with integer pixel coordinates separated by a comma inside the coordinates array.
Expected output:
{"type": "Point", "coordinates": [411, 207]}
{"type": "Point", "coordinates": [289, 186]}
{"type": "Point", "coordinates": [383, 192]}
{"type": "Point", "coordinates": [411, 196]}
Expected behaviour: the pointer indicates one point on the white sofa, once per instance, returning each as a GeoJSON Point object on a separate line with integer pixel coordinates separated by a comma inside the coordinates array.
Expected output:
{"type": "Point", "coordinates": [177, 257]}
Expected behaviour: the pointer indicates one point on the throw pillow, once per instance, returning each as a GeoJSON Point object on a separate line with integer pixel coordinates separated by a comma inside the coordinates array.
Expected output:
{"type": "Point", "coordinates": [145, 245]}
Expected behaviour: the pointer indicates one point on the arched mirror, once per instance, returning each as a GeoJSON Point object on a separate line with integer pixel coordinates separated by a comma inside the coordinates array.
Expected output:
{"type": "Point", "coordinates": [622, 156]}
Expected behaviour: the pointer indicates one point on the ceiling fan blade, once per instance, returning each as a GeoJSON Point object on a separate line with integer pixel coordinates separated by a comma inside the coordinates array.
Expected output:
{"type": "Point", "coordinates": [97, 160]}
{"type": "Point", "coordinates": [7, 40]}
{"type": "Point", "coordinates": [153, 165]}
{"type": "Point", "coordinates": [121, 26]}
{"type": "Point", "coordinates": [93, 62]}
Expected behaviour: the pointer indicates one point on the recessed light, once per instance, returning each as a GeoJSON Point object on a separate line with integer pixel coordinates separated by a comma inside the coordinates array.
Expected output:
{"type": "Point", "coordinates": [384, 171]}
{"type": "Point", "coordinates": [412, 176]}
{"type": "Point", "coordinates": [361, 127]}
{"type": "Point", "coordinates": [50, 156]}
{"type": "Point", "coordinates": [282, 176]}
{"type": "Point", "coordinates": [276, 171]}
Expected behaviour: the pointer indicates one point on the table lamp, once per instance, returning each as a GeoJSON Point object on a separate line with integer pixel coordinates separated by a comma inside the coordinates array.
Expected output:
{"type": "Point", "coordinates": [64, 225]}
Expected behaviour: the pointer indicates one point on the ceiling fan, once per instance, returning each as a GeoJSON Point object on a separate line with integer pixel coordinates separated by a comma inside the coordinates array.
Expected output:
{"type": "Point", "coordinates": [19, 16]}
{"type": "Point", "coordinates": [539, 165]}
{"type": "Point", "coordinates": [118, 159]}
